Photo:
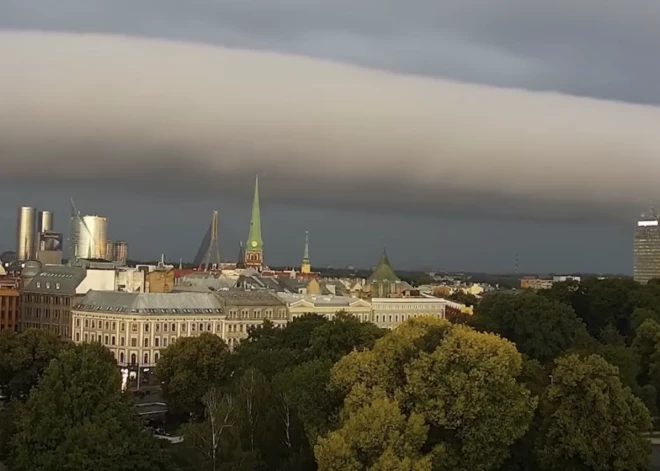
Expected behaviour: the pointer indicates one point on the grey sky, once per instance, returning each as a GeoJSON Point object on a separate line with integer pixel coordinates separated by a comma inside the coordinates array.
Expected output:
{"type": "Point", "coordinates": [602, 49]}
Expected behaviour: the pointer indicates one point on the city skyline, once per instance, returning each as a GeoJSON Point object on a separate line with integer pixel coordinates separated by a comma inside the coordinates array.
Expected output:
{"type": "Point", "coordinates": [575, 247]}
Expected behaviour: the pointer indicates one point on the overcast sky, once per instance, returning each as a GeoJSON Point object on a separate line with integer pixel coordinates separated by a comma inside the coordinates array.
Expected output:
{"type": "Point", "coordinates": [604, 50]}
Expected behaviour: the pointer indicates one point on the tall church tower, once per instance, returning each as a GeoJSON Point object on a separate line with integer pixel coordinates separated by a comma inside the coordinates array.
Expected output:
{"type": "Point", "coordinates": [305, 266]}
{"type": "Point", "coordinates": [254, 248]}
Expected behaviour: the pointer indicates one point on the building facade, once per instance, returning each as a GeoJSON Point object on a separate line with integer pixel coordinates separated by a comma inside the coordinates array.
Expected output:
{"type": "Point", "coordinates": [646, 248]}
{"type": "Point", "coordinates": [390, 312]}
{"type": "Point", "coordinates": [9, 298]}
{"type": "Point", "coordinates": [327, 306]}
{"type": "Point", "coordinates": [47, 297]}
{"type": "Point", "coordinates": [136, 327]}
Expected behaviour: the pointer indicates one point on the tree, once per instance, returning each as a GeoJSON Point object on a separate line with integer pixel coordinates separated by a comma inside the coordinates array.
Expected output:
{"type": "Point", "coordinates": [376, 437]}
{"type": "Point", "coordinates": [590, 420]}
{"type": "Point", "coordinates": [214, 444]}
{"type": "Point", "coordinates": [23, 359]}
{"type": "Point", "coordinates": [189, 368]}
{"type": "Point", "coordinates": [647, 337]}
{"type": "Point", "coordinates": [641, 314]}
{"type": "Point", "coordinates": [541, 328]}
{"type": "Point", "coordinates": [458, 383]}
{"type": "Point", "coordinates": [78, 419]}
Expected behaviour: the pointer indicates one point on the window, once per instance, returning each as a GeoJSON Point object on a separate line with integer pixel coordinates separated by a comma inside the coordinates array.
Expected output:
{"type": "Point", "coordinates": [164, 327]}
{"type": "Point", "coordinates": [146, 327]}
{"type": "Point", "coordinates": [134, 327]}
{"type": "Point", "coordinates": [165, 342]}
{"type": "Point", "coordinates": [133, 342]}
{"type": "Point", "coordinates": [77, 336]}
{"type": "Point", "coordinates": [156, 357]}
{"type": "Point", "coordinates": [146, 358]}
{"type": "Point", "coordinates": [93, 338]}
{"type": "Point", "coordinates": [121, 357]}
{"type": "Point", "coordinates": [107, 325]}
{"type": "Point", "coordinates": [107, 340]}
{"type": "Point", "coordinates": [113, 340]}
{"type": "Point", "coordinates": [133, 359]}
{"type": "Point", "coordinates": [192, 327]}
{"type": "Point", "coordinates": [122, 341]}
{"type": "Point", "coordinates": [173, 327]}
{"type": "Point", "coordinates": [157, 327]}
{"type": "Point", "coordinates": [122, 327]}
{"type": "Point", "coordinates": [114, 326]}
{"type": "Point", "coordinates": [93, 325]}
{"type": "Point", "coordinates": [201, 327]}
{"type": "Point", "coordinates": [77, 322]}
{"type": "Point", "coordinates": [85, 338]}
{"type": "Point", "coordinates": [209, 327]}
{"type": "Point", "coordinates": [156, 342]}
{"type": "Point", "coordinates": [146, 342]}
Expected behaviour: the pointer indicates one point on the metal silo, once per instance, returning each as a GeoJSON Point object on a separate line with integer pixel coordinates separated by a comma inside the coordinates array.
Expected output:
{"type": "Point", "coordinates": [25, 233]}
{"type": "Point", "coordinates": [88, 238]}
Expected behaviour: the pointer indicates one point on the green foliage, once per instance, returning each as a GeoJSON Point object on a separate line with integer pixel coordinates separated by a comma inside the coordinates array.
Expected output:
{"type": "Point", "coordinates": [644, 345]}
{"type": "Point", "coordinates": [649, 396]}
{"type": "Point", "coordinates": [428, 374]}
{"type": "Point", "coordinates": [78, 419]}
{"type": "Point", "coordinates": [541, 328]}
{"type": "Point", "coordinates": [641, 314]}
{"type": "Point", "coordinates": [189, 368]}
{"type": "Point", "coordinates": [591, 421]}
{"type": "Point", "coordinates": [23, 359]}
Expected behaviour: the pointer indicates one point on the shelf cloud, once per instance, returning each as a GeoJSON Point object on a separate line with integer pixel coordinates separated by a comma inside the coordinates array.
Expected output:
{"type": "Point", "coordinates": [162, 116]}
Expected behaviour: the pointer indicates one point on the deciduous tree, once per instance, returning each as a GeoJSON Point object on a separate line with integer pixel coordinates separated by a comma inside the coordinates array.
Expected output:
{"type": "Point", "coordinates": [77, 419]}
{"type": "Point", "coordinates": [462, 384]}
{"type": "Point", "coordinates": [591, 421]}
{"type": "Point", "coordinates": [189, 368]}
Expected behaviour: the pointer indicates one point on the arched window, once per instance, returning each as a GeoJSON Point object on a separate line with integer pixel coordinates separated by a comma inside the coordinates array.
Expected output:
{"type": "Point", "coordinates": [146, 358]}
{"type": "Point", "coordinates": [121, 357]}
{"type": "Point", "coordinates": [133, 359]}
{"type": "Point", "coordinates": [156, 357]}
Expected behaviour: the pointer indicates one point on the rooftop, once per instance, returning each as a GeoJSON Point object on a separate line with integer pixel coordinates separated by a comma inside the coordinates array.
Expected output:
{"type": "Point", "coordinates": [150, 303]}
{"type": "Point", "coordinates": [248, 298]}
{"type": "Point", "coordinates": [383, 271]}
{"type": "Point", "coordinates": [319, 300]}
{"type": "Point", "coordinates": [56, 279]}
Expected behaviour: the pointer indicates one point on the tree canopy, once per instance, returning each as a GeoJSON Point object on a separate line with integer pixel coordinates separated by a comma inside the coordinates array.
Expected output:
{"type": "Point", "coordinates": [189, 368]}
{"type": "Point", "coordinates": [591, 421]}
{"type": "Point", "coordinates": [541, 328]}
{"type": "Point", "coordinates": [448, 393]}
{"type": "Point", "coordinates": [78, 419]}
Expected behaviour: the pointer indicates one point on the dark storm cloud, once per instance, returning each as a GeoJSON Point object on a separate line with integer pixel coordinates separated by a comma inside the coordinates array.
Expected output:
{"type": "Point", "coordinates": [601, 48]}
{"type": "Point", "coordinates": [154, 114]}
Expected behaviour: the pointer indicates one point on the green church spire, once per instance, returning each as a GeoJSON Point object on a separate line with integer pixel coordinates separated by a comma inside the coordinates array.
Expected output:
{"type": "Point", "coordinates": [255, 242]}
{"type": "Point", "coordinates": [306, 253]}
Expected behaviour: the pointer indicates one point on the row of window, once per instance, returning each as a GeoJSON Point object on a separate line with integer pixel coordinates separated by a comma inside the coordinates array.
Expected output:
{"type": "Point", "coordinates": [111, 340]}
{"type": "Point", "coordinates": [46, 299]}
{"type": "Point", "coordinates": [133, 358]}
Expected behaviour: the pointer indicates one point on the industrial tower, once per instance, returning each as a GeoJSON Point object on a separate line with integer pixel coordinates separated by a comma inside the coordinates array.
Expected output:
{"type": "Point", "coordinates": [208, 255]}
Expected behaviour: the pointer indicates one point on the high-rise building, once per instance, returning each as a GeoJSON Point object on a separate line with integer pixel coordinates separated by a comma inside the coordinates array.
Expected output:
{"type": "Point", "coordinates": [305, 266]}
{"type": "Point", "coordinates": [646, 256]}
{"type": "Point", "coordinates": [120, 251]}
{"type": "Point", "coordinates": [254, 252]}
{"type": "Point", "coordinates": [88, 237]}
{"type": "Point", "coordinates": [25, 232]}
{"type": "Point", "coordinates": [45, 222]}
{"type": "Point", "coordinates": [110, 251]}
